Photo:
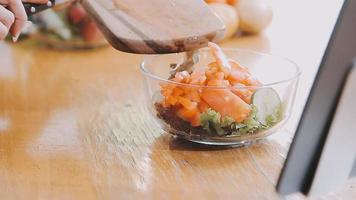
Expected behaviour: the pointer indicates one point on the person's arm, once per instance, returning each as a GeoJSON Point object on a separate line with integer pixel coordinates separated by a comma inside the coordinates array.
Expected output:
{"type": "Point", "coordinates": [13, 17]}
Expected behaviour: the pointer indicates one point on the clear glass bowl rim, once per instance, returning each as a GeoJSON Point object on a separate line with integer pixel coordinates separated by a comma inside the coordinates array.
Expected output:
{"type": "Point", "coordinates": [295, 76]}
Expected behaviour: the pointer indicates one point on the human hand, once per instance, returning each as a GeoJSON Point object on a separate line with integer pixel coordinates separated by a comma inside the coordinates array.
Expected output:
{"type": "Point", "coordinates": [13, 17]}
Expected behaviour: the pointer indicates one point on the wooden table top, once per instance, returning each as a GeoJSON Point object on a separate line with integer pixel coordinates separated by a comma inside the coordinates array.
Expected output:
{"type": "Point", "coordinates": [73, 125]}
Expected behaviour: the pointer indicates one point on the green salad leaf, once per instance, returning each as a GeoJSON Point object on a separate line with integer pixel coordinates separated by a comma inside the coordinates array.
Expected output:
{"type": "Point", "coordinates": [213, 123]}
{"type": "Point", "coordinates": [249, 125]}
{"type": "Point", "coordinates": [210, 121]}
{"type": "Point", "coordinates": [276, 117]}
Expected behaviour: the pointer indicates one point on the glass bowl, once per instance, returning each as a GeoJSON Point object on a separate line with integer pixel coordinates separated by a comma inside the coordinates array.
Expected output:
{"type": "Point", "coordinates": [279, 79]}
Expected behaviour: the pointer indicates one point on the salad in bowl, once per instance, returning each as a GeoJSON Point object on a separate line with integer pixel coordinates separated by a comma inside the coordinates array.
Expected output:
{"type": "Point", "coordinates": [222, 96]}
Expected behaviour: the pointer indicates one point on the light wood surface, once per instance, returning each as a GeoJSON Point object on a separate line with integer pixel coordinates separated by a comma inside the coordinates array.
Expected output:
{"type": "Point", "coordinates": [73, 125]}
{"type": "Point", "coordinates": [155, 26]}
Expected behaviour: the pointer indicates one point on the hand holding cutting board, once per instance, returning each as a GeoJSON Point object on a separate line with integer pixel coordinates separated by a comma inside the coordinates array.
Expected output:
{"type": "Point", "coordinates": [13, 16]}
{"type": "Point", "coordinates": [155, 26]}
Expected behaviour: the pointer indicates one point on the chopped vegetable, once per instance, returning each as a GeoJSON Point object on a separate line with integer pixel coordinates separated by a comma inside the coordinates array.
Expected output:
{"type": "Point", "coordinates": [221, 60]}
{"type": "Point", "coordinates": [230, 109]}
{"type": "Point", "coordinates": [269, 105]}
{"type": "Point", "coordinates": [213, 123]}
{"type": "Point", "coordinates": [226, 103]}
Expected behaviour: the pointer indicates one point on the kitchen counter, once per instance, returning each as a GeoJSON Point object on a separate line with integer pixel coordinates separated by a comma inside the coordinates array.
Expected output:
{"type": "Point", "coordinates": [73, 125]}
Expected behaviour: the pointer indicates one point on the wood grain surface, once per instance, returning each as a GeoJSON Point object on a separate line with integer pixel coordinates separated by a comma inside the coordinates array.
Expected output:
{"type": "Point", "coordinates": [155, 26]}
{"type": "Point", "coordinates": [73, 125]}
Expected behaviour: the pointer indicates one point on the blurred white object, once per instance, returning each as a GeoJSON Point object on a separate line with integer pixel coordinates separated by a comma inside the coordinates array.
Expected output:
{"type": "Point", "coordinates": [55, 23]}
{"type": "Point", "coordinates": [255, 15]}
{"type": "Point", "coordinates": [228, 16]}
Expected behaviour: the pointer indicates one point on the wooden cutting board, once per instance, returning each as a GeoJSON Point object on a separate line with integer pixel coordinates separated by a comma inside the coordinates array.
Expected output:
{"type": "Point", "coordinates": [155, 26]}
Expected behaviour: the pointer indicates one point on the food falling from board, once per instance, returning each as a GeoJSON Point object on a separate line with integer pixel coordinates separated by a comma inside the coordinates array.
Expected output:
{"type": "Point", "coordinates": [220, 99]}
{"type": "Point", "coordinates": [248, 16]}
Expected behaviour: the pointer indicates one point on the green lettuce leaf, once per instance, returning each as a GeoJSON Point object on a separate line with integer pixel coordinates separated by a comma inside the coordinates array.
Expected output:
{"type": "Point", "coordinates": [210, 121]}
{"type": "Point", "coordinates": [214, 124]}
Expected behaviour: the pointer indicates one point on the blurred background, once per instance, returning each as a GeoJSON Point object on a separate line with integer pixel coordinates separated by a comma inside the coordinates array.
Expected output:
{"type": "Point", "coordinates": [66, 96]}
